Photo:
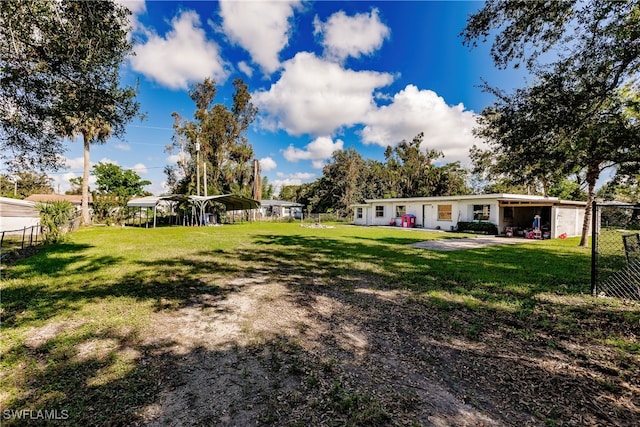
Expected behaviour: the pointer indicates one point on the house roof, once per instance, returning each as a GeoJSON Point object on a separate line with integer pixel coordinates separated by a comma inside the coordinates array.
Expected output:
{"type": "Point", "coordinates": [75, 199]}
{"type": "Point", "coordinates": [17, 208]}
{"type": "Point", "coordinates": [503, 197]}
{"type": "Point", "coordinates": [283, 203]}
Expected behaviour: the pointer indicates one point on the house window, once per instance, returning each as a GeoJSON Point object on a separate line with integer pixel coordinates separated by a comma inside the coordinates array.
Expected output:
{"type": "Point", "coordinates": [379, 211]}
{"type": "Point", "coordinates": [444, 212]}
{"type": "Point", "coordinates": [400, 210]}
{"type": "Point", "coordinates": [481, 212]}
{"type": "Point", "coordinates": [358, 212]}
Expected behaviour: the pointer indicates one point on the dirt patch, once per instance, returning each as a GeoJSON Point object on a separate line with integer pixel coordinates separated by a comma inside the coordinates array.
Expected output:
{"type": "Point", "coordinates": [275, 353]}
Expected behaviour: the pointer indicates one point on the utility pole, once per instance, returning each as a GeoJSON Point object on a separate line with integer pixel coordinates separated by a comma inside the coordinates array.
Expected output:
{"type": "Point", "coordinates": [204, 171]}
{"type": "Point", "coordinates": [197, 167]}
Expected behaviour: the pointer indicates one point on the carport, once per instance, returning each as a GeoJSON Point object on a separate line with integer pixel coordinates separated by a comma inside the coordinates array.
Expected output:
{"type": "Point", "coordinates": [198, 204]}
{"type": "Point", "coordinates": [556, 216]}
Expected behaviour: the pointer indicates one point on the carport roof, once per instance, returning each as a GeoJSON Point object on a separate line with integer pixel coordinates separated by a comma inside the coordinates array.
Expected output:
{"type": "Point", "coordinates": [232, 202]}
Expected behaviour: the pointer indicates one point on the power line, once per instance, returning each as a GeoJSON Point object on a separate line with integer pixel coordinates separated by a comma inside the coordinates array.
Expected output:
{"type": "Point", "coordinates": [80, 171]}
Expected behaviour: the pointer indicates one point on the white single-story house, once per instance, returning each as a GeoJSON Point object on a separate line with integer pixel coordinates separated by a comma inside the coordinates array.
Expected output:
{"type": "Point", "coordinates": [17, 214]}
{"type": "Point", "coordinates": [515, 211]}
{"type": "Point", "coordinates": [280, 209]}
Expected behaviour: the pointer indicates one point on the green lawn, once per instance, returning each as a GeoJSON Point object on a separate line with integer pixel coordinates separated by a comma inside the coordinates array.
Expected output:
{"type": "Point", "coordinates": [77, 320]}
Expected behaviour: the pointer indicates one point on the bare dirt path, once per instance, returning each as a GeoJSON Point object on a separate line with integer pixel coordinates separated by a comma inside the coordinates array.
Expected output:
{"type": "Point", "coordinates": [267, 354]}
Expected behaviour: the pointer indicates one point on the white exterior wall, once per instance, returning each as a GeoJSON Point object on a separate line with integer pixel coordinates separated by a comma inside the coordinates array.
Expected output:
{"type": "Point", "coordinates": [17, 223]}
{"type": "Point", "coordinates": [364, 219]}
{"type": "Point", "coordinates": [426, 213]}
{"type": "Point", "coordinates": [567, 219]}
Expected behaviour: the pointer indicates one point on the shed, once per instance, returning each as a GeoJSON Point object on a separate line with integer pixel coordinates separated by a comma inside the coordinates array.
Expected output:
{"type": "Point", "coordinates": [17, 214]}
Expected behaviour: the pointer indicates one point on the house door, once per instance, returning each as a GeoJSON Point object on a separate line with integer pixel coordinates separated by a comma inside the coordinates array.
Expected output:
{"type": "Point", "coordinates": [428, 219]}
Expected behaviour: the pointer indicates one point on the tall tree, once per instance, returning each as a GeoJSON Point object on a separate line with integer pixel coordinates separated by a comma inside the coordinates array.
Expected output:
{"type": "Point", "coordinates": [114, 180]}
{"type": "Point", "coordinates": [25, 183]}
{"type": "Point", "coordinates": [267, 188]}
{"type": "Point", "coordinates": [576, 116]}
{"type": "Point", "coordinates": [341, 183]}
{"type": "Point", "coordinates": [115, 186]}
{"type": "Point", "coordinates": [412, 172]}
{"type": "Point", "coordinates": [60, 72]}
{"type": "Point", "coordinates": [219, 134]}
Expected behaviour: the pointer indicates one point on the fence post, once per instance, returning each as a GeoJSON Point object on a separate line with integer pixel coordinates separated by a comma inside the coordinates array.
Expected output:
{"type": "Point", "coordinates": [24, 233]}
{"type": "Point", "coordinates": [594, 247]}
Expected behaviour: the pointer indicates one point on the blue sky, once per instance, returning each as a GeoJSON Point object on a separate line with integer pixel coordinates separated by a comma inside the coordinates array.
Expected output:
{"type": "Point", "coordinates": [324, 75]}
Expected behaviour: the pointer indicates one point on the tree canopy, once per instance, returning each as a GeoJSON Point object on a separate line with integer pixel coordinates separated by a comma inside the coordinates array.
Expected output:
{"type": "Point", "coordinates": [409, 170]}
{"type": "Point", "coordinates": [114, 180]}
{"type": "Point", "coordinates": [25, 183]}
{"type": "Point", "coordinates": [579, 115]}
{"type": "Point", "coordinates": [216, 135]}
{"type": "Point", "coordinates": [59, 66]}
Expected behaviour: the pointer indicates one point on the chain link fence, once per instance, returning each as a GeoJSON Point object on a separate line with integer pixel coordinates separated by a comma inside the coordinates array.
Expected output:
{"type": "Point", "coordinates": [615, 268]}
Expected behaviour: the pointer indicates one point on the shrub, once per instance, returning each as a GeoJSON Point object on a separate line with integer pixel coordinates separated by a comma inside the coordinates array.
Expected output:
{"type": "Point", "coordinates": [478, 227]}
{"type": "Point", "coordinates": [55, 216]}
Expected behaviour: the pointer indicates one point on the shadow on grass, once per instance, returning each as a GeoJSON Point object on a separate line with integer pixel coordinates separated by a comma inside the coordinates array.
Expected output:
{"type": "Point", "coordinates": [171, 283]}
{"type": "Point", "coordinates": [472, 332]}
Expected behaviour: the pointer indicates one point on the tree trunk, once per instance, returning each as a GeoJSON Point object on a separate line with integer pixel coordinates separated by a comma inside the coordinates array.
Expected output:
{"type": "Point", "coordinates": [85, 181]}
{"type": "Point", "coordinates": [593, 172]}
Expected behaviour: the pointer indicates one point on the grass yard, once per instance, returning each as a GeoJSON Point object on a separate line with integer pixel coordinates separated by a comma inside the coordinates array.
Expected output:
{"type": "Point", "coordinates": [277, 324]}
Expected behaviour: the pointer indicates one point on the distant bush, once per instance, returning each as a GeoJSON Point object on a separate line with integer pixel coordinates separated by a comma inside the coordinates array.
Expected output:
{"type": "Point", "coordinates": [478, 227]}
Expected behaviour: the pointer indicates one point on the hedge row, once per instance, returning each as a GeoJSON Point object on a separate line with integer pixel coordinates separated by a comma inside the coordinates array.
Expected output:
{"type": "Point", "coordinates": [478, 227]}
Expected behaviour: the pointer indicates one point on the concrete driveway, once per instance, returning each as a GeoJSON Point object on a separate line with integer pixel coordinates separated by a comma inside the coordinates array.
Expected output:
{"type": "Point", "coordinates": [468, 243]}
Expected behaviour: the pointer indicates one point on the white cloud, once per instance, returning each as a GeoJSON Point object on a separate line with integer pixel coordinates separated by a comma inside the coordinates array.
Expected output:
{"type": "Point", "coordinates": [140, 169]}
{"type": "Point", "coordinates": [343, 36]}
{"type": "Point", "coordinates": [123, 147]}
{"type": "Point", "coordinates": [106, 160]}
{"type": "Point", "coordinates": [61, 183]}
{"type": "Point", "coordinates": [137, 7]}
{"type": "Point", "coordinates": [317, 97]}
{"type": "Point", "coordinates": [183, 56]}
{"type": "Point", "coordinates": [245, 68]}
{"type": "Point", "coordinates": [317, 151]}
{"type": "Point", "coordinates": [303, 176]}
{"type": "Point", "coordinates": [261, 28]}
{"type": "Point", "coordinates": [267, 164]}
{"type": "Point", "coordinates": [174, 158]}
{"type": "Point", "coordinates": [75, 163]}
{"type": "Point", "coordinates": [291, 179]}
{"type": "Point", "coordinates": [446, 128]}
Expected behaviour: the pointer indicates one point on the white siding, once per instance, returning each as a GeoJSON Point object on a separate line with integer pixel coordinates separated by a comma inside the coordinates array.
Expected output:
{"type": "Point", "coordinates": [15, 223]}
{"type": "Point", "coordinates": [569, 220]}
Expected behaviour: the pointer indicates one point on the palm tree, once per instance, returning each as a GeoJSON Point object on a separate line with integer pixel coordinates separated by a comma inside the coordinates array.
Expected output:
{"type": "Point", "coordinates": [92, 130]}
